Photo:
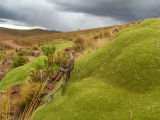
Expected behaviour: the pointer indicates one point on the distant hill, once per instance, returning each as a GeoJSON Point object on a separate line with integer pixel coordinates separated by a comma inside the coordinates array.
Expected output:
{"type": "Point", "coordinates": [23, 33]}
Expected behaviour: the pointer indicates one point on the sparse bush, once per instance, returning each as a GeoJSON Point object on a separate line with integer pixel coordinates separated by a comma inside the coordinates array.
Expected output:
{"type": "Point", "coordinates": [60, 57]}
{"type": "Point", "coordinates": [48, 69]}
{"type": "Point", "coordinates": [20, 53]}
{"type": "Point", "coordinates": [30, 51]}
{"type": "Point", "coordinates": [23, 52]}
{"type": "Point", "coordinates": [49, 52]}
{"type": "Point", "coordinates": [35, 74]}
{"type": "Point", "coordinates": [19, 61]}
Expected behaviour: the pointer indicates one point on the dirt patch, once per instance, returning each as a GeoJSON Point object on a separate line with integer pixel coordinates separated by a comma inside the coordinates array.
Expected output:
{"type": "Point", "coordinates": [2, 74]}
{"type": "Point", "coordinates": [11, 44]}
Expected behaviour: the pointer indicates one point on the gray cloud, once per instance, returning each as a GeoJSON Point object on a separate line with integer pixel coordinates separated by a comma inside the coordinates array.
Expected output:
{"type": "Point", "coordinates": [75, 14]}
{"type": "Point", "coordinates": [124, 10]}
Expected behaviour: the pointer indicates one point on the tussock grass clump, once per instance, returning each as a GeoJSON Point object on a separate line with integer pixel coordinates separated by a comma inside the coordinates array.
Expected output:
{"type": "Point", "coordinates": [78, 47]}
{"type": "Point", "coordinates": [5, 104]}
{"type": "Point", "coordinates": [139, 21]}
{"type": "Point", "coordinates": [35, 47]}
{"type": "Point", "coordinates": [80, 39]}
{"type": "Point", "coordinates": [103, 34]}
{"type": "Point", "coordinates": [31, 94]}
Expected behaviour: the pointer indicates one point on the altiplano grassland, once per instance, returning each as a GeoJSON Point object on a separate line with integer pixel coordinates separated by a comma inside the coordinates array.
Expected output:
{"type": "Point", "coordinates": [119, 81]}
{"type": "Point", "coordinates": [20, 74]}
{"type": "Point", "coordinates": [64, 36]}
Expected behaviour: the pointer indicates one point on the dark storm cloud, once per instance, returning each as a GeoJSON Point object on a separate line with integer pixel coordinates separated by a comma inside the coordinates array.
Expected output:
{"type": "Point", "coordinates": [75, 14]}
{"type": "Point", "coordinates": [29, 13]}
{"type": "Point", "coordinates": [123, 10]}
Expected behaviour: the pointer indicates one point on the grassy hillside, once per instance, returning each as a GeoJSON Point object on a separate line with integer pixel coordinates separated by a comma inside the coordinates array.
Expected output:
{"type": "Point", "coordinates": [20, 74]}
{"type": "Point", "coordinates": [23, 33]}
{"type": "Point", "coordinates": [119, 81]}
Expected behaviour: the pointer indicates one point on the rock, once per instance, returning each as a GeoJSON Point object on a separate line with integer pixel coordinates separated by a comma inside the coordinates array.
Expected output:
{"type": "Point", "coordinates": [68, 49]}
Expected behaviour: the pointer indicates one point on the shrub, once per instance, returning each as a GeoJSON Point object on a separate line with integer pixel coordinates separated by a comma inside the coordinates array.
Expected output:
{"type": "Point", "coordinates": [102, 34]}
{"type": "Point", "coordinates": [35, 74]}
{"type": "Point", "coordinates": [60, 56]}
{"type": "Point", "coordinates": [49, 52]}
{"type": "Point", "coordinates": [19, 61]}
{"type": "Point", "coordinates": [20, 53]}
{"type": "Point", "coordinates": [23, 53]}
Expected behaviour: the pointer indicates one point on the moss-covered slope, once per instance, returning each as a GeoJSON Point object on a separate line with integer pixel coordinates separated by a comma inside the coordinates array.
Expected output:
{"type": "Point", "coordinates": [119, 81]}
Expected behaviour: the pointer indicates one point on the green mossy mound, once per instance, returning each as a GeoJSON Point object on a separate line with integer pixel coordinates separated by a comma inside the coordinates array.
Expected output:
{"type": "Point", "coordinates": [119, 81]}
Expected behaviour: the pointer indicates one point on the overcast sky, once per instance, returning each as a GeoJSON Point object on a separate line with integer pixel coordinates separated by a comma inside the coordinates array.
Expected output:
{"type": "Point", "coordinates": [70, 15]}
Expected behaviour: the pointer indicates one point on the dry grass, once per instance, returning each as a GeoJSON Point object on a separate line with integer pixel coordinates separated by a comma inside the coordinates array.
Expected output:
{"type": "Point", "coordinates": [5, 104]}
{"type": "Point", "coordinates": [103, 34]}
{"type": "Point", "coordinates": [92, 45]}
{"type": "Point", "coordinates": [139, 22]}
{"type": "Point", "coordinates": [80, 39]}
{"type": "Point", "coordinates": [31, 99]}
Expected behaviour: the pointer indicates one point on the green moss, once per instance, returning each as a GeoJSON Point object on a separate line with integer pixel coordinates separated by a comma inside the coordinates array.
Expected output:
{"type": "Point", "coordinates": [64, 45]}
{"type": "Point", "coordinates": [119, 81]}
